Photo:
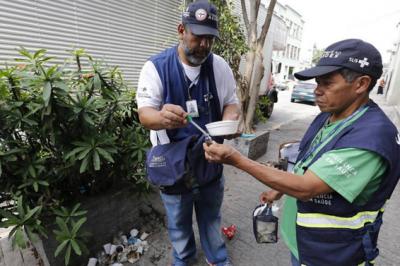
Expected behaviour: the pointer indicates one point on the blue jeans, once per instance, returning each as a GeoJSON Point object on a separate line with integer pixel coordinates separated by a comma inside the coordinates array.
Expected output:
{"type": "Point", "coordinates": [207, 205]}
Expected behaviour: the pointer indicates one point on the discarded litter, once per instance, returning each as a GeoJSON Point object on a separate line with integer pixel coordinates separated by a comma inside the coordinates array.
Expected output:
{"type": "Point", "coordinates": [134, 232]}
{"type": "Point", "coordinates": [92, 262]}
{"type": "Point", "coordinates": [122, 249]}
{"type": "Point", "coordinates": [132, 240]}
{"type": "Point", "coordinates": [144, 235]}
{"type": "Point", "coordinates": [229, 231]}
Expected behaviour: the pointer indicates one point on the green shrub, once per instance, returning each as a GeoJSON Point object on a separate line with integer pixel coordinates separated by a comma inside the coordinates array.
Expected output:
{"type": "Point", "coordinates": [66, 132]}
{"type": "Point", "coordinates": [261, 109]}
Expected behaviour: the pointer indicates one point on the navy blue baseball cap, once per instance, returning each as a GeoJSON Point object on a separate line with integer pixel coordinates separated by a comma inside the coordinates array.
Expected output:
{"type": "Point", "coordinates": [354, 54]}
{"type": "Point", "coordinates": [201, 18]}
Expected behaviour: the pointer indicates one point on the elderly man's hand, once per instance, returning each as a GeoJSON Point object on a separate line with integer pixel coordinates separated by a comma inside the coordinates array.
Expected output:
{"type": "Point", "coordinates": [270, 196]}
{"type": "Point", "coordinates": [220, 153]}
{"type": "Point", "coordinates": [173, 116]}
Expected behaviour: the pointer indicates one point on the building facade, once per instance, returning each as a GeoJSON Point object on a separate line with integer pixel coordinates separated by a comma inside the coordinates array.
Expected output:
{"type": "Point", "coordinates": [287, 61]}
{"type": "Point", "coordinates": [392, 78]}
{"type": "Point", "coordinates": [122, 33]}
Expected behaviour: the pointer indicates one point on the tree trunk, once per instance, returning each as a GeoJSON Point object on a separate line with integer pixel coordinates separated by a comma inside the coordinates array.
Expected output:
{"type": "Point", "coordinates": [254, 71]}
{"type": "Point", "coordinates": [258, 74]}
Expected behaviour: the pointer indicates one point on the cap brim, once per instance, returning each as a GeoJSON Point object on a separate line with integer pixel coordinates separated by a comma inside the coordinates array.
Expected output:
{"type": "Point", "coordinates": [203, 30]}
{"type": "Point", "coordinates": [315, 72]}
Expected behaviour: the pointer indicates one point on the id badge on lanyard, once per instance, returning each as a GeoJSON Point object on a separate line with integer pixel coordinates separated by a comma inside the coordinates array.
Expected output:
{"type": "Point", "coordinates": [191, 105]}
{"type": "Point", "coordinates": [192, 109]}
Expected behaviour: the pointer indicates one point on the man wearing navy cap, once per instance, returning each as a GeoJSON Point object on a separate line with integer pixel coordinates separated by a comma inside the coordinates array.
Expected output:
{"type": "Point", "coordinates": [188, 79]}
{"type": "Point", "coordinates": [346, 169]}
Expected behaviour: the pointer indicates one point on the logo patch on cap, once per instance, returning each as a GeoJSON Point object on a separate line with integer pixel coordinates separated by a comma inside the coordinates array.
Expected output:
{"type": "Point", "coordinates": [331, 54]}
{"type": "Point", "coordinates": [201, 14]}
{"type": "Point", "coordinates": [362, 63]}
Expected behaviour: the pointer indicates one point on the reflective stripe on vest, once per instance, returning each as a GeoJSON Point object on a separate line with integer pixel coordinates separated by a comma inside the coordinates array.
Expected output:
{"type": "Point", "coordinates": [372, 262]}
{"type": "Point", "coordinates": [319, 220]}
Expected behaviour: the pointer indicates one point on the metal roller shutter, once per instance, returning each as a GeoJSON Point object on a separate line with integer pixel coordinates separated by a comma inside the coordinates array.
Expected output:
{"type": "Point", "coordinates": [122, 33]}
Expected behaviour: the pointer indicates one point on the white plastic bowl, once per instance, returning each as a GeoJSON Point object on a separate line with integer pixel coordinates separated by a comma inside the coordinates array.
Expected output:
{"type": "Point", "coordinates": [221, 128]}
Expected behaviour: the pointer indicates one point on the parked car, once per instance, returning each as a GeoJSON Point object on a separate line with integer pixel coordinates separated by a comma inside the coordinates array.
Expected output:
{"type": "Point", "coordinates": [304, 91]}
{"type": "Point", "coordinates": [282, 86]}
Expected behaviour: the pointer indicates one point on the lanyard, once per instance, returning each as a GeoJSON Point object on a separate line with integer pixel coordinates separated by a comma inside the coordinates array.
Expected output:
{"type": "Point", "coordinates": [192, 84]}
{"type": "Point", "coordinates": [313, 148]}
{"type": "Point", "coordinates": [207, 97]}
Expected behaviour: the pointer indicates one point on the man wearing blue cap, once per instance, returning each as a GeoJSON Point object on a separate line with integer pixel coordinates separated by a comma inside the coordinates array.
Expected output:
{"type": "Point", "coordinates": [188, 79]}
{"type": "Point", "coordinates": [346, 169]}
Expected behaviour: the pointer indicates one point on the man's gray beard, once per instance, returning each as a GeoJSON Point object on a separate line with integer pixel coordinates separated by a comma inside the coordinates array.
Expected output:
{"type": "Point", "coordinates": [191, 58]}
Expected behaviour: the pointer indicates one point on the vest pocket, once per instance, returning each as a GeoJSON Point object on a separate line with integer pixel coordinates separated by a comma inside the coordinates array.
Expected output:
{"type": "Point", "coordinates": [329, 247]}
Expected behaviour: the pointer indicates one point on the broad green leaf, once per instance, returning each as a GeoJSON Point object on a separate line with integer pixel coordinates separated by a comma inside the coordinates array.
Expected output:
{"type": "Point", "coordinates": [79, 213]}
{"type": "Point", "coordinates": [76, 248]}
{"type": "Point", "coordinates": [25, 185]}
{"type": "Point", "coordinates": [61, 85]}
{"type": "Point", "coordinates": [81, 143]}
{"type": "Point", "coordinates": [112, 150]}
{"type": "Point", "coordinates": [88, 119]}
{"type": "Point", "coordinates": [35, 187]}
{"type": "Point", "coordinates": [105, 154]}
{"type": "Point", "coordinates": [84, 165]}
{"type": "Point", "coordinates": [19, 238]}
{"type": "Point", "coordinates": [21, 210]}
{"type": "Point", "coordinates": [96, 160]}
{"type": "Point", "coordinates": [39, 53]}
{"type": "Point", "coordinates": [78, 225]}
{"type": "Point", "coordinates": [76, 207]}
{"type": "Point", "coordinates": [46, 92]}
{"type": "Point", "coordinates": [61, 247]}
{"type": "Point", "coordinates": [24, 52]}
{"type": "Point", "coordinates": [43, 183]}
{"type": "Point", "coordinates": [30, 122]}
{"type": "Point", "coordinates": [67, 255]}
{"type": "Point", "coordinates": [83, 153]}
{"type": "Point", "coordinates": [82, 245]}
{"type": "Point", "coordinates": [97, 82]}
{"type": "Point", "coordinates": [63, 226]}
{"type": "Point", "coordinates": [32, 171]}
{"type": "Point", "coordinates": [73, 152]}
{"type": "Point", "coordinates": [31, 213]}
{"type": "Point", "coordinates": [59, 213]}
{"type": "Point", "coordinates": [61, 235]}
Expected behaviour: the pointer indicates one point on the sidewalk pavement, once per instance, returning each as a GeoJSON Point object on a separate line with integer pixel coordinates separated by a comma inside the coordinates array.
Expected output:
{"type": "Point", "coordinates": [15, 257]}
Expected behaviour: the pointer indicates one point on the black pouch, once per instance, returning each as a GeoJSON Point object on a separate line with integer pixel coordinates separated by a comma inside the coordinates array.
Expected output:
{"type": "Point", "coordinates": [265, 224]}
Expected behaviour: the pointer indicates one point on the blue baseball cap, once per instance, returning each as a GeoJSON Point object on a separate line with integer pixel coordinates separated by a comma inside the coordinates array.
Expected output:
{"type": "Point", "coordinates": [353, 54]}
{"type": "Point", "coordinates": [201, 18]}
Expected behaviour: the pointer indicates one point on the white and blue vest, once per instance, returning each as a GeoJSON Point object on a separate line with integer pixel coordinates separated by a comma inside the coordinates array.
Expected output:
{"type": "Point", "coordinates": [175, 91]}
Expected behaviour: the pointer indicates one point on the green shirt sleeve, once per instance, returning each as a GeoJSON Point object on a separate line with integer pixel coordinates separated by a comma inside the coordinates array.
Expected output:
{"type": "Point", "coordinates": [353, 173]}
